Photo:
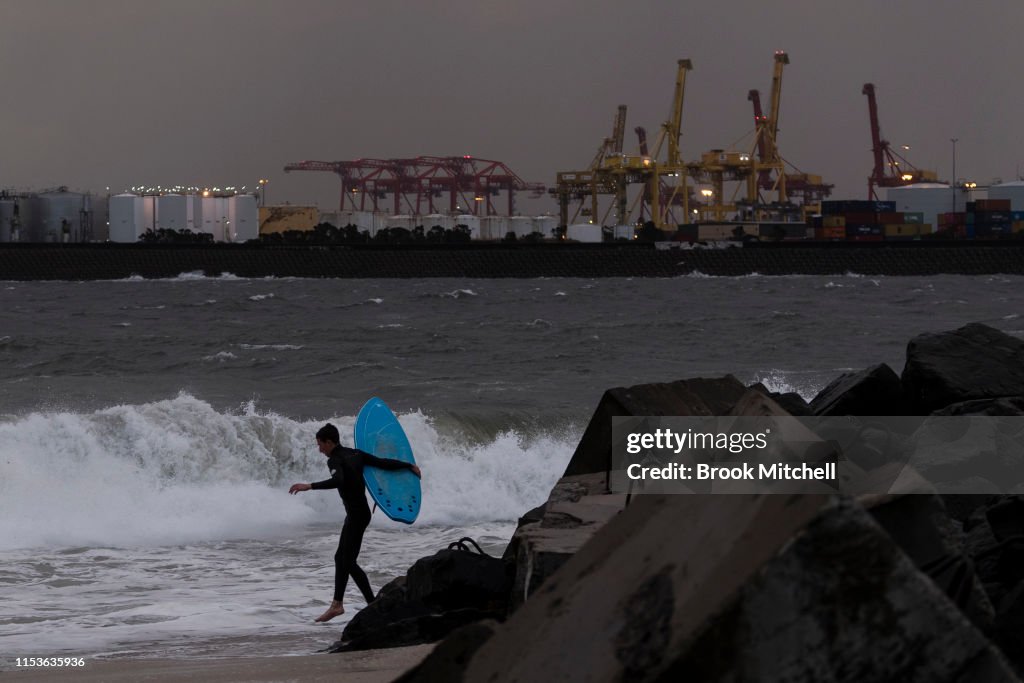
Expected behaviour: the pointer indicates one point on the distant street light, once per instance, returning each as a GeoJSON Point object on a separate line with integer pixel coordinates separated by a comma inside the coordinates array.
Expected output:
{"type": "Point", "coordinates": [952, 183]}
{"type": "Point", "coordinates": [263, 191]}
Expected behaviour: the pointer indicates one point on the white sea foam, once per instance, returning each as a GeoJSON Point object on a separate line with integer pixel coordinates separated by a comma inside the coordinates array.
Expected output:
{"type": "Point", "coordinates": [260, 297]}
{"type": "Point", "coordinates": [275, 347]}
{"type": "Point", "coordinates": [220, 356]}
{"type": "Point", "coordinates": [178, 471]}
{"type": "Point", "coordinates": [459, 293]}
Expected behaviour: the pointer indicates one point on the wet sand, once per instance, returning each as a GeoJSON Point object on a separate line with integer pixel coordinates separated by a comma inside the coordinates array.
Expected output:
{"type": "Point", "coordinates": [370, 666]}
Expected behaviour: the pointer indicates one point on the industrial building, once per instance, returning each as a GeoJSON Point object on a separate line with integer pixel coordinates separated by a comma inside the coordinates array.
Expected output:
{"type": "Point", "coordinates": [227, 217]}
{"type": "Point", "coordinates": [280, 219]}
{"type": "Point", "coordinates": [54, 216]}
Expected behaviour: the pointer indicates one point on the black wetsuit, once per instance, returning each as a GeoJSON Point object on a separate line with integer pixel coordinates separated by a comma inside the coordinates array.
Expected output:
{"type": "Point", "coordinates": [346, 466]}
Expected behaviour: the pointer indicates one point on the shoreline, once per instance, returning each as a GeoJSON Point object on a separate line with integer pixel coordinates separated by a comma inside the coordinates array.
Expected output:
{"type": "Point", "coordinates": [78, 262]}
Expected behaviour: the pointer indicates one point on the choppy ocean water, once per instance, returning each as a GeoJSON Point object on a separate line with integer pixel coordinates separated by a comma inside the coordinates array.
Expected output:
{"type": "Point", "coordinates": [149, 430]}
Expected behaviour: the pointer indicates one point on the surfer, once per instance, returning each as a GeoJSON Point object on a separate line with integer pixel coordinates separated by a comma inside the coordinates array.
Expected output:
{"type": "Point", "coordinates": [346, 467]}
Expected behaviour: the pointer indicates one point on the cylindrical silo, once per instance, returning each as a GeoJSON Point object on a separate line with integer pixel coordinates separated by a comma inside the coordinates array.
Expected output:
{"type": "Point", "coordinates": [930, 199]}
{"type": "Point", "coordinates": [6, 219]}
{"type": "Point", "coordinates": [125, 218]}
{"type": "Point", "coordinates": [545, 225]}
{"type": "Point", "coordinates": [172, 212]}
{"type": "Point", "coordinates": [244, 217]}
{"type": "Point", "coordinates": [1013, 191]}
{"type": "Point", "coordinates": [584, 232]}
{"type": "Point", "coordinates": [472, 222]}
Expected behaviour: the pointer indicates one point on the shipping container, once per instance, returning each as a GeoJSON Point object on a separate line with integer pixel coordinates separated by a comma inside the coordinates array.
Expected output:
{"type": "Point", "coordinates": [835, 233]}
{"type": "Point", "coordinates": [992, 205]}
{"type": "Point", "coordinates": [913, 217]}
{"type": "Point", "coordinates": [890, 217]}
{"type": "Point", "coordinates": [992, 217]}
{"type": "Point", "coordinates": [902, 230]}
{"type": "Point", "coordinates": [859, 218]}
{"type": "Point", "coordinates": [833, 221]}
{"type": "Point", "coordinates": [863, 229]}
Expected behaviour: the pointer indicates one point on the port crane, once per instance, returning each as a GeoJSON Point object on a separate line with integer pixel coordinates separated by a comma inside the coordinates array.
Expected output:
{"type": "Point", "coordinates": [612, 172]}
{"type": "Point", "coordinates": [808, 187]}
{"type": "Point", "coordinates": [887, 171]}
{"type": "Point", "coordinates": [413, 184]}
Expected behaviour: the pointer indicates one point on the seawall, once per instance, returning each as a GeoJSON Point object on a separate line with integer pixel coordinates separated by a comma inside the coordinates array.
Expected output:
{"type": "Point", "coordinates": [111, 262]}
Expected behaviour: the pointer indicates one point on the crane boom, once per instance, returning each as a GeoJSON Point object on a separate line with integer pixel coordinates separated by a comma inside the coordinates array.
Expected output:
{"type": "Point", "coordinates": [641, 134]}
{"type": "Point", "coordinates": [781, 59]}
{"type": "Point", "coordinates": [887, 171]}
{"type": "Point", "coordinates": [878, 145]}
{"type": "Point", "coordinates": [764, 179]}
{"type": "Point", "coordinates": [619, 131]}
{"type": "Point", "coordinates": [674, 124]}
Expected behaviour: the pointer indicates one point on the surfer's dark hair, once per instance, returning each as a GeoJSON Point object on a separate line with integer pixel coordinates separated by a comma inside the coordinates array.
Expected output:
{"type": "Point", "coordinates": [328, 433]}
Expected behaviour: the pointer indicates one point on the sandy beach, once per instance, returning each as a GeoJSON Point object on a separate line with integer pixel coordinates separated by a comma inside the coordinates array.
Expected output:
{"type": "Point", "coordinates": [370, 666]}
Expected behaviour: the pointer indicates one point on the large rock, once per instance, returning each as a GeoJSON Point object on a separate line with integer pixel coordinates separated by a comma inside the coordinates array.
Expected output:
{"type": "Point", "coordinates": [685, 397]}
{"type": "Point", "coordinates": [739, 588]}
{"type": "Point", "coordinates": [973, 362]}
{"type": "Point", "coordinates": [921, 527]}
{"type": "Point", "coordinates": [438, 594]}
{"type": "Point", "coordinates": [872, 391]}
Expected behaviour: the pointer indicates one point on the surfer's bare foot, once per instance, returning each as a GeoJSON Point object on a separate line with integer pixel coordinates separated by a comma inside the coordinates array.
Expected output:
{"type": "Point", "coordinates": [333, 611]}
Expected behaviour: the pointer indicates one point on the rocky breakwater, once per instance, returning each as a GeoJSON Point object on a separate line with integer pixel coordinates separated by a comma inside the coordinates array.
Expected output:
{"type": "Point", "coordinates": [812, 587]}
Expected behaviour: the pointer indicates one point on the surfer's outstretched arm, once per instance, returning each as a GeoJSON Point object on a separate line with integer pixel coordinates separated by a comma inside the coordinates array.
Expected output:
{"type": "Point", "coordinates": [389, 463]}
{"type": "Point", "coordinates": [299, 487]}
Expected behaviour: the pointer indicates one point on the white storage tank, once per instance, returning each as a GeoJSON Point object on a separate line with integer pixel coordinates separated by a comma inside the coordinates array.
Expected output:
{"type": "Point", "coordinates": [172, 212]}
{"type": "Point", "coordinates": [1013, 190]}
{"type": "Point", "coordinates": [929, 199]}
{"type": "Point", "coordinates": [149, 213]}
{"type": "Point", "coordinates": [58, 217]}
{"type": "Point", "coordinates": [125, 217]}
{"type": "Point", "coordinates": [6, 219]}
{"type": "Point", "coordinates": [432, 219]}
{"type": "Point", "coordinates": [584, 232]}
{"type": "Point", "coordinates": [244, 215]}
{"type": "Point", "coordinates": [545, 225]}
{"type": "Point", "coordinates": [216, 218]}
{"type": "Point", "coordinates": [522, 226]}
{"type": "Point", "coordinates": [400, 221]}
{"type": "Point", "coordinates": [470, 221]}
{"type": "Point", "coordinates": [195, 212]}
{"type": "Point", "coordinates": [624, 232]}
{"type": "Point", "coordinates": [493, 227]}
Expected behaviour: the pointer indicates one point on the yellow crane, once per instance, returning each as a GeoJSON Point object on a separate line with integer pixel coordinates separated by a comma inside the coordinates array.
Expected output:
{"type": "Point", "coordinates": [612, 172]}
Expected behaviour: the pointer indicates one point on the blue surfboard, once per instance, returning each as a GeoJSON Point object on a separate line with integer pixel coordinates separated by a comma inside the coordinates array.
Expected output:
{"type": "Point", "coordinates": [396, 492]}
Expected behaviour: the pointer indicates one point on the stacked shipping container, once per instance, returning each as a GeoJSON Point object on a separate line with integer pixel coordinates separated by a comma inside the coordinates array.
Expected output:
{"type": "Point", "coordinates": [868, 221]}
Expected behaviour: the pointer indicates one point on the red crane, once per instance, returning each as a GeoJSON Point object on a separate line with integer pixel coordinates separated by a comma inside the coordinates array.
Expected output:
{"type": "Point", "coordinates": [413, 184]}
{"type": "Point", "coordinates": [887, 171]}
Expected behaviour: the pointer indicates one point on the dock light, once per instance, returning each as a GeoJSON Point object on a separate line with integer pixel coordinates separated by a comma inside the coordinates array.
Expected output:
{"type": "Point", "coordinates": [478, 199]}
{"type": "Point", "coordinates": [970, 186]}
{"type": "Point", "coordinates": [707, 193]}
{"type": "Point", "coordinates": [206, 193]}
{"type": "Point", "coordinates": [906, 176]}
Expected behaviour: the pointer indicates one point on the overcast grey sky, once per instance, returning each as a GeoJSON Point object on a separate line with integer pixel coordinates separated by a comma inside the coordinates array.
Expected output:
{"type": "Point", "coordinates": [118, 93]}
